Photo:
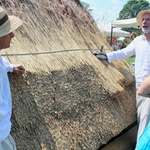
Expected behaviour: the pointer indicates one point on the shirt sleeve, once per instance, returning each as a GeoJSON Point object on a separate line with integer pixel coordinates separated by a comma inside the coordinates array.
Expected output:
{"type": "Point", "coordinates": [122, 54]}
{"type": "Point", "coordinates": [8, 65]}
{"type": "Point", "coordinates": [1, 82]}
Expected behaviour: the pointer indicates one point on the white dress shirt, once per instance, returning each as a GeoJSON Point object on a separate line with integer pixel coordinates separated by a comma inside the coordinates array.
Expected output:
{"type": "Point", "coordinates": [5, 99]}
{"type": "Point", "coordinates": [141, 48]}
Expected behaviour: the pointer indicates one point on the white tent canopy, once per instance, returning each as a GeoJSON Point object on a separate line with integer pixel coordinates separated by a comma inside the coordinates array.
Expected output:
{"type": "Point", "coordinates": [116, 32]}
{"type": "Point", "coordinates": [125, 23]}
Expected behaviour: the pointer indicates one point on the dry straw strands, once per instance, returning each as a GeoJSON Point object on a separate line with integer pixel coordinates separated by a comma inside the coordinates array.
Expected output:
{"type": "Point", "coordinates": [66, 100]}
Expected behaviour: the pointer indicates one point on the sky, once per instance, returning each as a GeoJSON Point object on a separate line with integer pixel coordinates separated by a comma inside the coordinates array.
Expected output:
{"type": "Point", "coordinates": [105, 11]}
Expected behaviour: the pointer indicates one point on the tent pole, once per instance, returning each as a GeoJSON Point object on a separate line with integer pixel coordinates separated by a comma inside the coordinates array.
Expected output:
{"type": "Point", "coordinates": [111, 35]}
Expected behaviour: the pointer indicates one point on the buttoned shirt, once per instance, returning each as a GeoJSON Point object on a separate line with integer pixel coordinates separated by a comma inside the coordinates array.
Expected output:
{"type": "Point", "coordinates": [139, 47]}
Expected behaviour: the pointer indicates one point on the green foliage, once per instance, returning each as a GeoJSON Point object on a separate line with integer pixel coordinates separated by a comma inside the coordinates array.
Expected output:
{"type": "Point", "coordinates": [131, 9]}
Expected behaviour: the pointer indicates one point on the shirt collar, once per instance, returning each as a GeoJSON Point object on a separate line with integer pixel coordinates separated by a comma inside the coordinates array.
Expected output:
{"type": "Point", "coordinates": [143, 37]}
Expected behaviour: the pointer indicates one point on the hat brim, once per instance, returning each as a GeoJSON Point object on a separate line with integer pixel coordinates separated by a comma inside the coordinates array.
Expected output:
{"type": "Point", "coordinates": [12, 24]}
{"type": "Point", "coordinates": [15, 22]}
{"type": "Point", "coordinates": [140, 15]}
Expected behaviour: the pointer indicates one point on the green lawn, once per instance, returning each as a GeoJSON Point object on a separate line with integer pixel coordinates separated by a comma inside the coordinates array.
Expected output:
{"type": "Point", "coordinates": [131, 59]}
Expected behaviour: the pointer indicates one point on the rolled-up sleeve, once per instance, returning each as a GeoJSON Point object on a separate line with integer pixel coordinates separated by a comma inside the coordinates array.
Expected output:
{"type": "Point", "coordinates": [8, 65]}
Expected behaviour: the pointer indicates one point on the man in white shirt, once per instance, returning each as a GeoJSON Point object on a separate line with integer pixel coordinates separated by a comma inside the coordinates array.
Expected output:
{"type": "Point", "coordinates": [7, 25]}
{"type": "Point", "coordinates": [140, 47]}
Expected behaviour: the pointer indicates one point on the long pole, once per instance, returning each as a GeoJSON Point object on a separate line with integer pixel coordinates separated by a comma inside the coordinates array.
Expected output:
{"type": "Point", "coordinates": [111, 35]}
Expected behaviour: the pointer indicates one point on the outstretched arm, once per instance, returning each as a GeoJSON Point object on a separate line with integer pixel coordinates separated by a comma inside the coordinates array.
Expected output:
{"type": "Point", "coordinates": [15, 68]}
{"type": "Point", "coordinates": [144, 89]}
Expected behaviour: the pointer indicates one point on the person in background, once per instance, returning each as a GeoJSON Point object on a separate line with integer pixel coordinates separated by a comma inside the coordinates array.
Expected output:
{"type": "Point", "coordinates": [140, 47]}
{"type": "Point", "coordinates": [7, 25]}
{"type": "Point", "coordinates": [133, 35]}
{"type": "Point", "coordinates": [144, 89]}
{"type": "Point", "coordinates": [122, 45]}
{"type": "Point", "coordinates": [143, 142]}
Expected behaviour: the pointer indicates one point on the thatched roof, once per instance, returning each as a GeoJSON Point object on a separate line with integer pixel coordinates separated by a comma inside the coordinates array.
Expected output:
{"type": "Point", "coordinates": [68, 99]}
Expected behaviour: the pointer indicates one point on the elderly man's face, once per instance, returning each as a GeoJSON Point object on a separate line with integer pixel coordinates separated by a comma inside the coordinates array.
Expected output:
{"type": "Point", "coordinates": [146, 23]}
{"type": "Point", "coordinates": [5, 40]}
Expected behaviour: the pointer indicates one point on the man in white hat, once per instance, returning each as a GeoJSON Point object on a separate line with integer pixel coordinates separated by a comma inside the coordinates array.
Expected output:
{"type": "Point", "coordinates": [140, 47]}
{"type": "Point", "coordinates": [7, 25]}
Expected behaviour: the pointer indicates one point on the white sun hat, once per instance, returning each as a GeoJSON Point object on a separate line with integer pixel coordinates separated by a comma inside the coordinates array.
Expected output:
{"type": "Point", "coordinates": [140, 15]}
{"type": "Point", "coordinates": [8, 23]}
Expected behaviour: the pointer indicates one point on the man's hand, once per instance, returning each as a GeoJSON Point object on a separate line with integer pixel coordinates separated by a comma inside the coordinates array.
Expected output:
{"type": "Point", "coordinates": [100, 55]}
{"type": "Point", "coordinates": [19, 69]}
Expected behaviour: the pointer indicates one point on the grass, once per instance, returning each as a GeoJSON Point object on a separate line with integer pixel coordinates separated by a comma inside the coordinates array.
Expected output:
{"type": "Point", "coordinates": [131, 59]}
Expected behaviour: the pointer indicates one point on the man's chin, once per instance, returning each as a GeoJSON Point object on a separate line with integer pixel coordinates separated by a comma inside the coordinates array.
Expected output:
{"type": "Point", "coordinates": [146, 31]}
{"type": "Point", "coordinates": [6, 47]}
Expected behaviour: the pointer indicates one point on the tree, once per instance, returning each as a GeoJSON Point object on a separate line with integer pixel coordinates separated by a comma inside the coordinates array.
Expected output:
{"type": "Point", "coordinates": [131, 9]}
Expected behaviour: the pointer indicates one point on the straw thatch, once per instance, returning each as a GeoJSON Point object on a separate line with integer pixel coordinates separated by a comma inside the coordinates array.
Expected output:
{"type": "Point", "coordinates": [68, 99]}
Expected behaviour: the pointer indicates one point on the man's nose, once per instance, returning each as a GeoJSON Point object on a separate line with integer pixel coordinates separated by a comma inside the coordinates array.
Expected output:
{"type": "Point", "coordinates": [12, 34]}
{"type": "Point", "coordinates": [143, 21]}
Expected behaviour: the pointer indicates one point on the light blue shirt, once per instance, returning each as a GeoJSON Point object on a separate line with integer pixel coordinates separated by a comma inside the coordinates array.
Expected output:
{"type": "Point", "coordinates": [141, 48]}
{"type": "Point", "coordinates": [5, 99]}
